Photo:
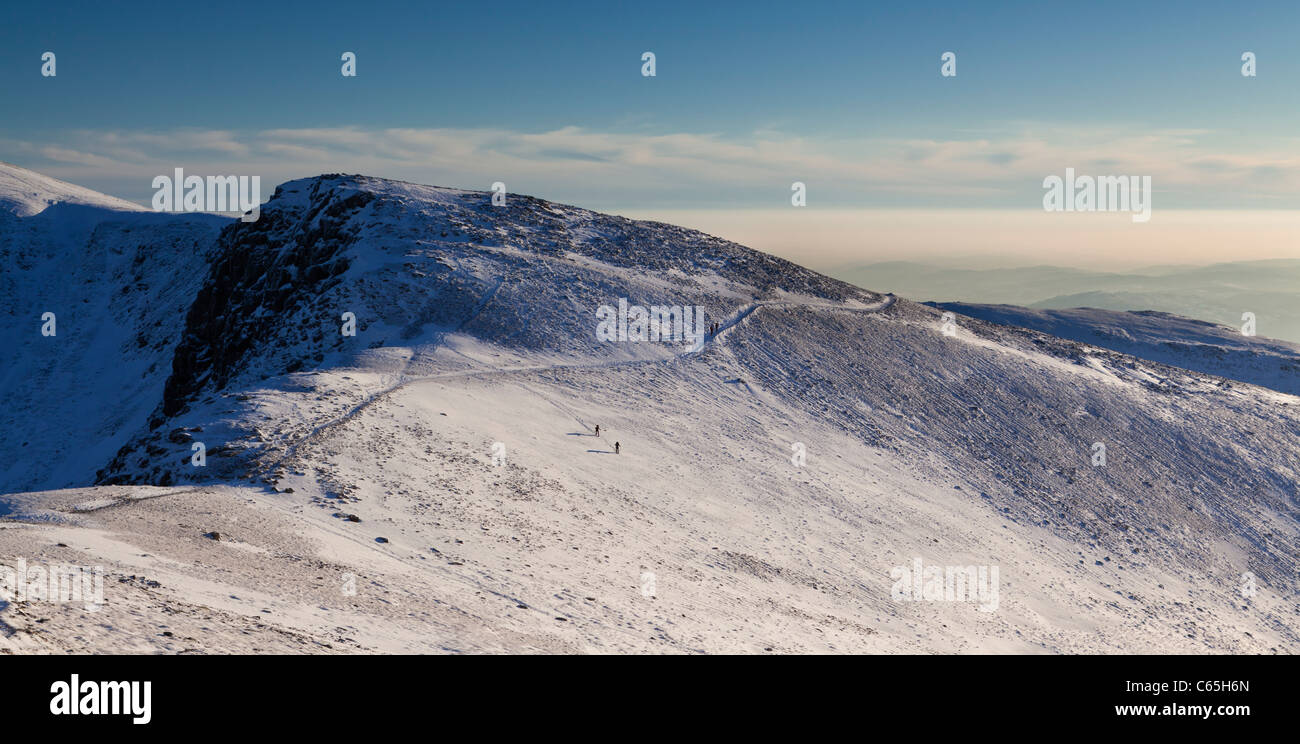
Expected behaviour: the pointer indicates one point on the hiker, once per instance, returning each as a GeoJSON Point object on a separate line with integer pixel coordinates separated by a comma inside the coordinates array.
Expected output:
{"type": "Point", "coordinates": [616, 448]}
{"type": "Point", "coordinates": [597, 429]}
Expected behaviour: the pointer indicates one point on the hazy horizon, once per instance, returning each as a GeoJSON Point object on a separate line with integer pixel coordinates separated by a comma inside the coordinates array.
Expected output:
{"type": "Point", "coordinates": [897, 158]}
{"type": "Point", "coordinates": [836, 239]}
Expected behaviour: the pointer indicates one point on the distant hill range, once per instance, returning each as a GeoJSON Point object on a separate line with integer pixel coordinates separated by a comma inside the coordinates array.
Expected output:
{"type": "Point", "coordinates": [1195, 345]}
{"type": "Point", "coordinates": [1219, 293]}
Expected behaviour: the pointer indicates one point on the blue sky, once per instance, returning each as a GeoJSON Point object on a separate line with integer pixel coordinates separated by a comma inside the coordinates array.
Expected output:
{"type": "Point", "coordinates": [748, 97]}
{"type": "Point", "coordinates": [841, 68]}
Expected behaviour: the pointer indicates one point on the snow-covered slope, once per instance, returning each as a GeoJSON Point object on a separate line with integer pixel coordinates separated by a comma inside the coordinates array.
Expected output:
{"type": "Point", "coordinates": [435, 484]}
{"type": "Point", "coordinates": [416, 265]}
{"type": "Point", "coordinates": [118, 284]}
{"type": "Point", "coordinates": [24, 193]}
{"type": "Point", "coordinates": [1195, 345]}
{"type": "Point", "coordinates": [1218, 293]}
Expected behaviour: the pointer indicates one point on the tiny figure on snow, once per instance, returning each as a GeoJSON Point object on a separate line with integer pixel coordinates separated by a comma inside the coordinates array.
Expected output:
{"type": "Point", "coordinates": [597, 429]}
{"type": "Point", "coordinates": [616, 448]}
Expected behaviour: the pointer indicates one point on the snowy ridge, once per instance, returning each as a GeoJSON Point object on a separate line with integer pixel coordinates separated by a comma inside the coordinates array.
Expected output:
{"type": "Point", "coordinates": [1195, 345]}
{"type": "Point", "coordinates": [435, 483]}
{"type": "Point", "coordinates": [418, 264]}
{"type": "Point", "coordinates": [24, 193]}
{"type": "Point", "coordinates": [116, 283]}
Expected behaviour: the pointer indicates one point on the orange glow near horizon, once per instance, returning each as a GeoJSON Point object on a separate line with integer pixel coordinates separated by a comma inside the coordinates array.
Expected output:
{"type": "Point", "coordinates": [822, 239]}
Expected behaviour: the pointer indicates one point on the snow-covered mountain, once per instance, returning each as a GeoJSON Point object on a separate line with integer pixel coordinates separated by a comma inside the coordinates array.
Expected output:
{"type": "Point", "coordinates": [24, 193]}
{"type": "Point", "coordinates": [117, 282]}
{"type": "Point", "coordinates": [1194, 345]}
{"type": "Point", "coordinates": [435, 483]}
{"type": "Point", "coordinates": [1220, 293]}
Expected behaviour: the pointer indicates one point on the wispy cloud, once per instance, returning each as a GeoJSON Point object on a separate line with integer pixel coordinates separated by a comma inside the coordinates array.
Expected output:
{"type": "Point", "coordinates": [1005, 168]}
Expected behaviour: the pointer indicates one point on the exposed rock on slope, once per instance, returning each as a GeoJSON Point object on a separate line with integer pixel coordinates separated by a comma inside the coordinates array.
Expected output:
{"type": "Point", "coordinates": [414, 263]}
